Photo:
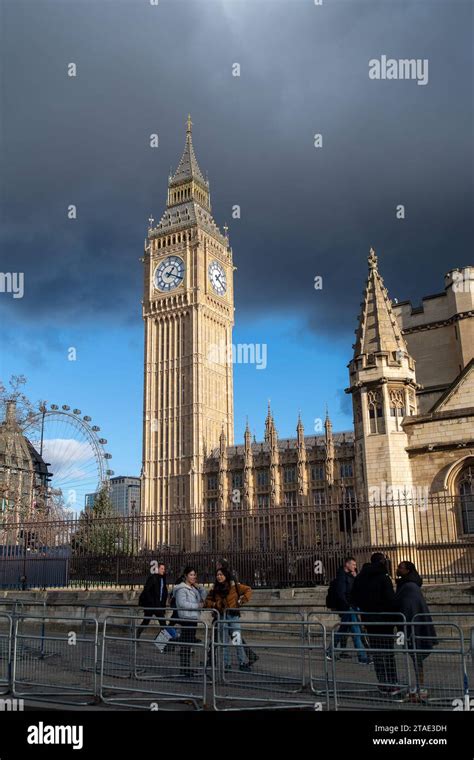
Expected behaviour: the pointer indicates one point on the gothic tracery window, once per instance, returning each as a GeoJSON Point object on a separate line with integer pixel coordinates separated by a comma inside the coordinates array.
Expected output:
{"type": "Point", "coordinates": [466, 493]}
{"type": "Point", "coordinates": [397, 405]}
{"type": "Point", "coordinates": [375, 404]}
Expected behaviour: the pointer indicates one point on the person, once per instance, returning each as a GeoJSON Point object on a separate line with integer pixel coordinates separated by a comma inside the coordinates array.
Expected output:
{"type": "Point", "coordinates": [421, 637]}
{"type": "Point", "coordinates": [223, 564]}
{"type": "Point", "coordinates": [227, 596]}
{"type": "Point", "coordinates": [190, 598]}
{"type": "Point", "coordinates": [350, 625]}
{"type": "Point", "coordinates": [153, 598]}
{"type": "Point", "coordinates": [373, 593]}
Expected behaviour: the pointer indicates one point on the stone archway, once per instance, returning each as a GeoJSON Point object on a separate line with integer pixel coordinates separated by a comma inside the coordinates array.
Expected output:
{"type": "Point", "coordinates": [459, 483]}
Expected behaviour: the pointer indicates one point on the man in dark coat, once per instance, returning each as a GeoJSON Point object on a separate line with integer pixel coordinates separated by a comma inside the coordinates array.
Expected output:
{"type": "Point", "coordinates": [154, 597]}
{"type": "Point", "coordinates": [421, 636]}
{"type": "Point", "coordinates": [349, 626]}
{"type": "Point", "coordinates": [373, 593]}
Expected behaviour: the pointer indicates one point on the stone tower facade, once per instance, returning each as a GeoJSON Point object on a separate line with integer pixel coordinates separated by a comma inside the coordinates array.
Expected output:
{"type": "Point", "coordinates": [383, 386]}
{"type": "Point", "coordinates": [188, 310]}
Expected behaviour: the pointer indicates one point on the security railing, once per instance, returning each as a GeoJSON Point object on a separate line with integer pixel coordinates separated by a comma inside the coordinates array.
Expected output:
{"type": "Point", "coordinates": [288, 660]}
{"type": "Point", "coordinates": [271, 547]}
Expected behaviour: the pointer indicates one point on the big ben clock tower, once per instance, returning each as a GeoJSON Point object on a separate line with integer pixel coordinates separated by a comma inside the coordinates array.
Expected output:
{"type": "Point", "coordinates": [188, 310]}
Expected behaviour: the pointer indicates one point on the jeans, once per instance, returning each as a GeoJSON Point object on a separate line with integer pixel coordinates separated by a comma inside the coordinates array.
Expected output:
{"type": "Point", "coordinates": [350, 626]}
{"type": "Point", "coordinates": [231, 630]}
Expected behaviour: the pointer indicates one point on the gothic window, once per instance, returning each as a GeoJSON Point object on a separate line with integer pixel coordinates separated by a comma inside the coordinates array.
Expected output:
{"type": "Point", "coordinates": [349, 495]}
{"type": "Point", "coordinates": [466, 492]}
{"type": "Point", "coordinates": [411, 401]}
{"type": "Point", "coordinates": [212, 482]}
{"type": "Point", "coordinates": [317, 472]}
{"type": "Point", "coordinates": [346, 470]}
{"type": "Point", "coordinates": [375, 404]}
{"type": "Point", "coordinates": [290, 498]}
{"type": "Point", "coordinates": [263, 500]}
{"type": "Point", "coordinates": [262, 478]}
{"type": "Point", "coordinates": [290, 474]}
{"type": "Point", "coordinates": [319, 497]}
{"type": "Point", "coordinates": [212, 505]}
{"type": "Point", "coordinates": [237, 480]}
{"type": "Point", "coordinates": [397, 405]}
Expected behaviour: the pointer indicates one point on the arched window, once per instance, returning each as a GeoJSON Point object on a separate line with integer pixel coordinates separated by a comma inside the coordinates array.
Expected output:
{"type": "Point", "coordinates": [375, 404]}
{"type": "Point", "coordinates": [466, 493]}
{"type": "Point", "coordinates": [397, 406]}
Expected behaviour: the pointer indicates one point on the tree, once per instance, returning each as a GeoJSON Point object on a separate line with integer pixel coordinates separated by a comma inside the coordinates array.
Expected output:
{"type": "Point", "coordinates": [13, 390]}
{"type": "Point", "coordinates": [101, 531]}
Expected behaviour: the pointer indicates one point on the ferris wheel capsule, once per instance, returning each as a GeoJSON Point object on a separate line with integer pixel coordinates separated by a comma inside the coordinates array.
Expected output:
{"type": "Point", "coordinates": [76, 411]}
{"type": "Point", "coordinates": [86, 418]}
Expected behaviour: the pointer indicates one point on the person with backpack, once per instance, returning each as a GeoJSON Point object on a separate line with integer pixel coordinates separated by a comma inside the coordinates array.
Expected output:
{"type": "Point", "coordinates": [373, 593]}
{"type": "Point", "coordinates": [153, 598]}
{"type": "Point", "coordinates": [227, 597]}
{"type": "Point", "coordinates": [421, 637]}
{"type": "Point", "coordinates": [338, 600]}
{"type": "Point", "coordinates": [189, 598]}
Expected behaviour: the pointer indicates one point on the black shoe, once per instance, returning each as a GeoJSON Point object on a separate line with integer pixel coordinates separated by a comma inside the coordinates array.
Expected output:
{"type": "Point", "coordinates": [252, 657]}
{"type": "Point", "coordinates": [245, 666]}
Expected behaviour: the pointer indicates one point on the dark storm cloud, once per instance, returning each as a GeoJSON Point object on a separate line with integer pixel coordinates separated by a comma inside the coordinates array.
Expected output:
{"type": "Point", "coordinates": [305, 211]}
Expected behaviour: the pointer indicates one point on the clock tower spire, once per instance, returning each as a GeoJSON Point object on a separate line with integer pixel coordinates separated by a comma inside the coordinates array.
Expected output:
{"type": "Point", "coordinates": [188, 311]}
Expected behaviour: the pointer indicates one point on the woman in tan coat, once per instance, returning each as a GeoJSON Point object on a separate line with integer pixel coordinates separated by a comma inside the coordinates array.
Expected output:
{"type": "Point", "coordinates": [227, 597]}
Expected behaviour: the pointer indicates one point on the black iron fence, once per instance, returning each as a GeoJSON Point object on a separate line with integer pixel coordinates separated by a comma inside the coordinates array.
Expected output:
{"type": "Point", "coordinates": [271, 547]}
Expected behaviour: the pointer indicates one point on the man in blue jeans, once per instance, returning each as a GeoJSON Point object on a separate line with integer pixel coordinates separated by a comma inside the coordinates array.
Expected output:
{"type": "Point", "coordinates": [350, 624]}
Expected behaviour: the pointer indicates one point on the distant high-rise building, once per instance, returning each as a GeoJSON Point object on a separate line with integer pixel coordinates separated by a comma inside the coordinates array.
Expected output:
{"type": "Point", "coordinates": [125, 494]}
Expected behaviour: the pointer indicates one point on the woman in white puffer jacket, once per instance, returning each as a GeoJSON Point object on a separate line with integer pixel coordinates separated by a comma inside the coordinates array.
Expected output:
{"type": "Point", "coordinates": [190, 600]}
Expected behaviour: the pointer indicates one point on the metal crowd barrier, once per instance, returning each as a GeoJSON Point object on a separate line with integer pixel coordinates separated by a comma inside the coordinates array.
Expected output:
{"type": "Point", "coordinates": [6, 641]}
{"type": "Point", "coordinates": [296, 660]}
{"type": "Point", "coordinates": [408, 673]}
{"type": "Point", "coordinates": [466, 624]}
{"type": "Point", "coordinates": [56, 675]}
{"type": "Point", "coordinates": [277, 677]}
{"type": "Point", "coordinates": [354, 663]}
{"type": "Point", "coordinates": [175, 673]}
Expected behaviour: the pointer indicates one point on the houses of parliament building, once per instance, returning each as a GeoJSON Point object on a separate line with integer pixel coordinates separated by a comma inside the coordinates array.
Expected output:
{"type": "Point", "coordinates": [411, 380]}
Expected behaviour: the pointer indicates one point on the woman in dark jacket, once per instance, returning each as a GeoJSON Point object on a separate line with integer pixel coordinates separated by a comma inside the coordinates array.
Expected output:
{"type": "Point", "coordinates": [373, 593]}
{"type": "Point", "coordinates": [153, 598]}
{"type": "Point", "coordinates": [421, 636]}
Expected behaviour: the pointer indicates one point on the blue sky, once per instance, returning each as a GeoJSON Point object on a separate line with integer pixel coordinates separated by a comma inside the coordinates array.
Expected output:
{"type": "Point", "coordinates": [303, 371]}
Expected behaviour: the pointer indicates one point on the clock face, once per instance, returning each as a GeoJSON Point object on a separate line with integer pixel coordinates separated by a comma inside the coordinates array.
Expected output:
{"type": "Point", "coordinates": [169, 274]}
{"type": "Point", "coordinates": [217, 278]}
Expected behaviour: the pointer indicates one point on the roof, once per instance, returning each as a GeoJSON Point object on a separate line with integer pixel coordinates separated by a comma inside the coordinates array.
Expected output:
{"type": "Point", "coordinates": [379, 329]}
{"type": "Point", "coordinates": [285, 444]}
{"type": "Point", "coordinates": [185, 215]}
{"type": "Point", "coordinates": [188, 167]}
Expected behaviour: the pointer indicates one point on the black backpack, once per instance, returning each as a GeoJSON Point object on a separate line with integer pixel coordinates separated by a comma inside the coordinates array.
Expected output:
{"type": "Point", "coordinates": [174, 614]}
{"type": "Point", "coordinates": [332, 599]}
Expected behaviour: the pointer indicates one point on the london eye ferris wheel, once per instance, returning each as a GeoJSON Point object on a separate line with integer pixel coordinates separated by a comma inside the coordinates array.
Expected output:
{"type": "Point", "coordinates": [73, 451]}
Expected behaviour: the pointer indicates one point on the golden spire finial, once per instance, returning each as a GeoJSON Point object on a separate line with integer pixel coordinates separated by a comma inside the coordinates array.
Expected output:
{"type": "Point", "coordinates": [189, 127]}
